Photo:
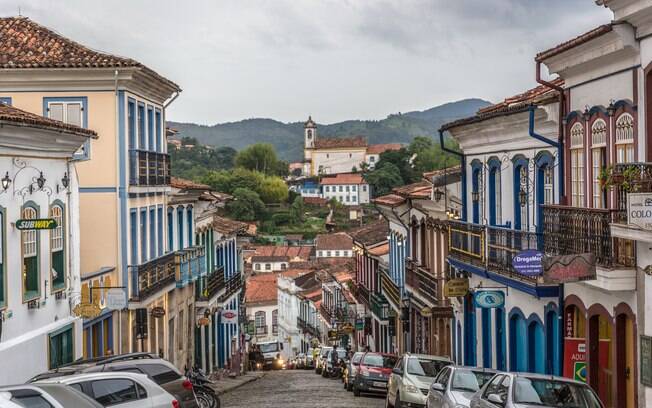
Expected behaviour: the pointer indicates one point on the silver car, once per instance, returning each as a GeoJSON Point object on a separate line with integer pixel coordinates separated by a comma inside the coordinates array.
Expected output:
{"type": "Point", "coordinates": [411, 379]}
{"type": "Point", "coordinates": [511, 390]}
{"type": "Point", "coordinates": [44, 395]}
{"type": "Point", "coordinates": [454, 386]}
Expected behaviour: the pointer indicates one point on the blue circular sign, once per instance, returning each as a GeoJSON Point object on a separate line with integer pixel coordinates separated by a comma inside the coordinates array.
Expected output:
{"type": "Point", "coordinates": [489, 299]}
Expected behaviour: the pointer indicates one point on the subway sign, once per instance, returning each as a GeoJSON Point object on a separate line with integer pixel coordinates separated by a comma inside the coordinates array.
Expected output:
{"type": "Point", "coordinates": [36, 224]}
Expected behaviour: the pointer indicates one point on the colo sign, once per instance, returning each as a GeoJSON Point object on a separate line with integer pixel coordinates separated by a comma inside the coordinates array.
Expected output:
{"type": "Point", "coordinates": [489, 299]}
{"type": "Point", "coordinates": [639, 210]}
{"type": "Point", "coordinates": [528, 263]}
{"type": "Point", "coordinates": [36, 224]}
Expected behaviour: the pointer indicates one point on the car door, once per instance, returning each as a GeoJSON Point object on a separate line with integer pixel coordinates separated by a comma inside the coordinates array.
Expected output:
{"type": "Point", "coordinates": [118, 392]}
{"type": "Point", "coordinates": [492, 388]}
{"type": "Point", "coordinates": [395, 379]}
{"type": "Point", "coordinates": [436, 397]}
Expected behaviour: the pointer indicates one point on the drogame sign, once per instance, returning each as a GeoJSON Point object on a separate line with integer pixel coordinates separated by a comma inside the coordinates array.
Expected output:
{"type": "Point", "coordinates": [528, 263]}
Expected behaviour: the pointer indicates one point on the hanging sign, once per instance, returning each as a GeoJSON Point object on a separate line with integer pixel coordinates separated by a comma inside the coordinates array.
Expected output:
{"type": "Point", "coordinates": [359, 324]}
{"type": "Point", "coordinates": [568, 268]}
{"type": "Point", "coordinates": [646, 361]}
{"type": "Point", "coordinates": [639, 210]}
{"type": "Point", "coordinates": [528, 263]}
{"type": "Point", "coordinates": [489, 299]}
{"type": "Point", "coordinates": [116, 299]}
{"type": "Point", "coordinates": [229, 316]}
{"type": "Point", "coordinates": [87, 310]}
{"type": "Point", "coordinates": [203, 321]}
{"type": "Point", "coordinates": [36, 224]}
{"type": "Point", "coordinates": [426, 312]}
{"type": "Point", "coordinates": [158, 312]}
{"type": "Point", "coordinates": [456, 287]}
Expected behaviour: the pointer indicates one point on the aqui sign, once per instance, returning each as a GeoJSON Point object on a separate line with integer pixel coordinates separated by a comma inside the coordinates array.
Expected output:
{"type": "Point", "coordinates": [528, 263]}
{"type": "Point", "coordinates": [489, 299]}
{"type": "Point", "coordinates": [36, 224]}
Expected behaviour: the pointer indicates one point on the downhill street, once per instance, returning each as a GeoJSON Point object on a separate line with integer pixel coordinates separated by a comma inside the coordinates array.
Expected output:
{"type": "Point", "coordinates": [296, 389]}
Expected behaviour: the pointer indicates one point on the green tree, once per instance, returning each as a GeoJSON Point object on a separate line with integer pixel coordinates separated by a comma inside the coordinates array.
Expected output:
{"type": "Point", "coordinates": [297, 210]}
{"type": "Point", "coordinates": [402, 160]}
{"type": "Point", "coordinates": [189, 141]}
{"type": "Point", "coordinates": [259, 157]}
{"type": "Point", "coordinates": [246, 205]}
{"type": "Point", "coordinates": [384, 178]}
{"type": "Point", "coordinates": [273, 190]}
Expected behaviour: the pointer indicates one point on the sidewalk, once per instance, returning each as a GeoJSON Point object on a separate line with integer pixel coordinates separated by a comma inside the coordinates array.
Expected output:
{"type": "Point", "coordinates": [227, 384]}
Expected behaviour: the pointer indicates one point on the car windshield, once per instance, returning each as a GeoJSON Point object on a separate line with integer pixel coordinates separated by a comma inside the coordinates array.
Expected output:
{"type": "Point", "coordinates": [425, 367]}
{"type": "Point", "coordinates": [553, 393]}
{"type": "Point", "coordinates": [468, 380]}
{"type": "Point", "coordinates": [269, 347]}
{"type": "Point", "coordinates": [325, 351]}
{"type": "Point", "coordinates": [378, 360]}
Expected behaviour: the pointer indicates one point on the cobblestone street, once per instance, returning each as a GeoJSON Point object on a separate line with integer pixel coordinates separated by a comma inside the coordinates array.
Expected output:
{"type": "Point", "coordinates": [296, 389]}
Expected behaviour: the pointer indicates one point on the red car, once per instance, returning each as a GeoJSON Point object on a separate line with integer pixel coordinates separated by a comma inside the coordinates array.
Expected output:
{"type": "Point", "coordinates": [373, 373]}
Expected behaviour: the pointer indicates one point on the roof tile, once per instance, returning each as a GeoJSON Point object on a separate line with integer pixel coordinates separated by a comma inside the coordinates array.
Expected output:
{"type": "Point", "coordinates": [340, 142]}
{"type": "Point", "coordinates": [20, 117]}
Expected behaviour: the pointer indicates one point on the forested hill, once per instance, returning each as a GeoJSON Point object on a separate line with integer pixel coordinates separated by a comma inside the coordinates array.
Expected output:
{"type": "Point", "coordinates": [287, 138]}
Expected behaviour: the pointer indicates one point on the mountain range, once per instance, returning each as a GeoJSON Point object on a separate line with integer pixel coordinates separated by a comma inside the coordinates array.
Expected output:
{"type": "Point", "coordinates": [287, 138]}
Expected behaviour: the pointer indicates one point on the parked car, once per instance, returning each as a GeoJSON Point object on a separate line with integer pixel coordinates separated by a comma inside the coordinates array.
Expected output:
{"type": "Point", "coordinates": [44, 395]}
{"type": "Point", "coordinates": [352, 370]}
{"type": "Point", "coordinates": [320, 363]}
{"type": "Point", "coordinates": [118, 389]}
{"type": "Point", "coordinates": [328, 361]}
{"type": "Point", "coordinates": [511, 390]}
{"type": "Point", "coordinates": [301, 361]}
{"type": "Point", "coordinates": [159, 370]}
{"type": "Point", "coordinates": [454, 386]}
{"type": "Point", "coordinates": [411, 378]}
{"type": "Point", "coordinates": [373, 373]}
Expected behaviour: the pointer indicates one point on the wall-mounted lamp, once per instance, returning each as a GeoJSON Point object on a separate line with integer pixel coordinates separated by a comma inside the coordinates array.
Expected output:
{"type": "Point", "coordinates": [6, 181]}
{"type": "Point", "coordinates": [586, 115]}
{"type": "Point", "coordinates": [611, 109]}
{"type": "Point", "coordinates": [438, 194]}
{"type": "Point", "coordinates": [65, 181]}
{"type": "Point", "coordinates": [522, 198]}
{"type": "Point", "coordinates": [40, 181]}
{"type": "Point", "coordinates": [475, 196]}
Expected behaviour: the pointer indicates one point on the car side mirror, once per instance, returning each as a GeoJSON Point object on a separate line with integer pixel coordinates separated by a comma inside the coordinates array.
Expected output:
{"type": "Point", "coordinates": [496, 399]}
{"type": "Point", "coordinates": [438, 387]}
{"type": "Point", "coordinates": [397, 371]}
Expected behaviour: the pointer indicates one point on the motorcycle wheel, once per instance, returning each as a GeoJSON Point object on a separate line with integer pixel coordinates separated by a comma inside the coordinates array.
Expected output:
{"type": "Point", "coordinates": [207, 399]}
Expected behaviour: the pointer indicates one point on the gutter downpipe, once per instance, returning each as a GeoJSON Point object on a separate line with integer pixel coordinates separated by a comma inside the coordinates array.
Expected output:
{"type": "Point", "coordinates": [562, 197]}
{"type": "Point", "coordinates": [462, 168]}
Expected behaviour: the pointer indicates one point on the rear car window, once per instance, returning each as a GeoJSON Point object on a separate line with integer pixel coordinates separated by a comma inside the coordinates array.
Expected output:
{"type": "Point", "coordinates": [114, 391]}
{"type": "Point", "coordinates": [160, 373]}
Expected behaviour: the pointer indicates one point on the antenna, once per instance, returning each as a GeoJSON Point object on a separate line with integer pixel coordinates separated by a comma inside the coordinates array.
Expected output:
{"type": "Point", "coordinates": [19, 14]}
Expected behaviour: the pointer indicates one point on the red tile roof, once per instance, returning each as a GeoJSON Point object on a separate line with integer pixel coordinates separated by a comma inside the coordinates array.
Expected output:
{"type": "Point", "coordinates": [380, 148]}
{"type": "Point", "coordinates": [390, 200]}
{"type": "Point", "coordinates": [315, 201]}
{"type": "Point", "coordinates": [335, 241]}
{"type": "Point", "coordinates": [261, 288]}
{"type": "Point", "coordinates": [514, 104]}
{"type": "Point", "coordinates": [27, 44]}
{"type": "Point", "coordinates": [420, 189]}
{"type": "Point", "coordinates": [184, 184]}
{"type": "Point", "coordinates": [340, 142]}
{"type": "Point", "coordinates": [574, 42]}
{"type": "Point", "coordinates": [302, 252]}
{"type": "Point", "coordinates": [270, 258]}
{"type": "Point", "coordinates": [371, 233]}
{"type": "Point", "coordinates": [380, 250]}
{"type": "Point", "coordinates": [18, 117]}
{"type": "Point", "coordinates": [227, 226]}
{"type": "Point", "coordinates": [342, 178]}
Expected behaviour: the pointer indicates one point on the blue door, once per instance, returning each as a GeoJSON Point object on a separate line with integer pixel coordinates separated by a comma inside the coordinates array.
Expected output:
{"type": "Point", "coordinates": [486, 338]}
{"type": "Point", "coordinates": [500, 339]}
{"type": "Point", "coordinates": [536, 348]}
{"type": "Point", "coordinates": [517, 344]}
{"type": "Point", "coordinates": [469, 332]}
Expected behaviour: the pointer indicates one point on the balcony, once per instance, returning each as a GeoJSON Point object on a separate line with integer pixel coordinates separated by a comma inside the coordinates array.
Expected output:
{"type": "Point", "coordinates": [628, 178]}
{"type": "Point", "coordinates": [379, 306]}
{"type": "Point", "coordinates": [192, 265]}
{"type": "Point", "coordinates": [421, 280]}
{"type": "Point", "coordinates": [232, 285]}
{"type": "Point", "coordinates": [152, 276]}
{"type": "Point", "coordinates": [361, 293]}
{"type": "Point", "coordinates": [389, 288]}
{"type": "Point", "coordinates": [210, 285]}
{"type": "Point", "coordinates": [307, 327]}
{"type": "Point", "coordinates": [148, 168]}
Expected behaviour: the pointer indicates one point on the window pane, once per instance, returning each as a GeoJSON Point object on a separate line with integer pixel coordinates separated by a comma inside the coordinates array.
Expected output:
{"type": "Point", "coordinates": [73, 114]}
{"type": "Point", "coordinates": [56, 111]}
{"type": "Point", "coordinates": [160, 373]}
{"type": "Point", "coordinates": [114, 391]}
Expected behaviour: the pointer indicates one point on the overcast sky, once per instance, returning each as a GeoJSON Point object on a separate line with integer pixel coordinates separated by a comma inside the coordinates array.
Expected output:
{"type": "Point", "coordinates": [333, 59]}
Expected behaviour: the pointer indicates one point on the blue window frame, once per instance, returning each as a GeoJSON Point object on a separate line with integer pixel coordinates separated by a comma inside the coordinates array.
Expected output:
{"type": "Point", "coordinates": [180, 225]}
{"type": "Point", "coordinates": [520, 211]}
{"type": "Point", "coordinates": [495, 198]}
{"type": "Point", "coordinates": [152, 232]}
{"type": "Point", "coordinates": [72, 110]}
{"type": "Point", "coordinates": [142, 140]}
{"type": "Point", "coordinates": [5, 99]}
{"type": "Point", "coordinates": [170, 229]}
{"type": "Point", "coordinates": [143, 235]}
{"type": "Point", "coordinates": [133, 227]}
{"type": "Point", "coordinates": [476, 175]}
{"type": "Point", "coordinates": [150, 128]}
{"type": "Point", "coordinates": [159, 228]}
{"type": "Point", "coordinates": [189, 220]}
{"type": "Point", "coordinates": [131, 122]}
{"type": "Point", "coordinates": [159, 139]}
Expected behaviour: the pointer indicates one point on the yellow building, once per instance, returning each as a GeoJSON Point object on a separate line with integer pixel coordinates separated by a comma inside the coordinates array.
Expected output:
{"type": "Point", "coordinates": [127, 231]}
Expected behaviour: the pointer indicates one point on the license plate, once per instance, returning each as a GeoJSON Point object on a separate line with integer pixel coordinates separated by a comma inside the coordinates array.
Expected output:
{"type": "Point", "coordinates": [379, 384]}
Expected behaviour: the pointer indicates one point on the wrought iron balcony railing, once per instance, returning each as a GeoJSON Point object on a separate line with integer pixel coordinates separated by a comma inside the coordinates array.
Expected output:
{"type": "Point", "coordinates": [307, 327]}
{"type": "Point", "coordinates": [379, 306]}
{"type": "Point", "coordinates": [151, 276]}
{"type": "Point", "coordinates": [232, 285]}
{"type": "Point", "coordinates": [422, 280]}
{"type": "Point", "coordinates": [211, 284]}
{"type": "Point", "coordinates": [192, 265]}
{"type": "Point", "coordinates": [148, 168]}
{"type": "Point", "coordinates": [361, 293]}
{"type": "Point", "coordinates": [466, 242]}
{"type": "Point", "coordinates": [573, 230]}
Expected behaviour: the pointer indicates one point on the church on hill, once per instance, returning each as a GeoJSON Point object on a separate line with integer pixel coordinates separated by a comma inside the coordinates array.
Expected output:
{"type": "Point", "coordinates": [324, 156]}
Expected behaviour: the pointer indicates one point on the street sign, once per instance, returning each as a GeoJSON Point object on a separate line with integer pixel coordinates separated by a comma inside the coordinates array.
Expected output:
{"type": "Point", "coordinates": [36, 224]}
{"type": "Point", "coordinates": [568, 268]}
{"type": "Point", "coordinates": [359, 324]}
{"type": "Point", "coordinates": [528, 263]}
{"type": "Point", "coordinates": [87, 310]}
{"type": "Point", "coordinates": [116, 299]}
{"type": "Point", "coordinates": [456, 287]}
{"type": "Point", "coordinates": [489, 299]}
{"type": "Point", "coordinates": [639, 210]}
{"type": "Point", "coordinates": [426, 312]}
{"type": "Point", "coordinates": [229, 316]}
{"type": "Point", "coordinates": [332, 334]}
{"type": "Point", "coordinates": [646, 361]}
{"type": "Point", "coordinates": [158, 312]}
{"type": "Point", "coordinates": [346, 328]}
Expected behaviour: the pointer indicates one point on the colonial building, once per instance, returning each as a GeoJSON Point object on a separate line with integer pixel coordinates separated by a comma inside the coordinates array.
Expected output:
{"type": "Point", "coordinates": [39, 244]}
{"type": "Point", "coordinates": [337, 245]}
{"type": "Point", "coordinates": [338, 155]}
{"type": "Point", "coordinates": [347, 188]}
{"type": "Point", "coordinates": [262, 306]}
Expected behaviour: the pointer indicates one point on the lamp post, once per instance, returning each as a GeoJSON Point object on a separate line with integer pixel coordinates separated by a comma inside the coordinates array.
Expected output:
{"type": "Point", "coordinates": [5, 182]}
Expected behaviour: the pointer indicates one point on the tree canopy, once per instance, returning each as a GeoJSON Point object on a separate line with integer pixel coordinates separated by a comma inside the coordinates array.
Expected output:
{"type": "Point", "coordinates": [261, 157]}
{"type": "Point", "coordinates": [246, 205]}
{"type": "Point", "coordinates": [270, 189]}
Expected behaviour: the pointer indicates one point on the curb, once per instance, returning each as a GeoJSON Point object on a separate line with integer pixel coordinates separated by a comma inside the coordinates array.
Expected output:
{"type": "Point", "coordinates": [236, 386]}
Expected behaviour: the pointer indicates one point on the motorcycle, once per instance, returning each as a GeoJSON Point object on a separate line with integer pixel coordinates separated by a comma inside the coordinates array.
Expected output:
{"type": "Point", "coordinates": [204, 394]}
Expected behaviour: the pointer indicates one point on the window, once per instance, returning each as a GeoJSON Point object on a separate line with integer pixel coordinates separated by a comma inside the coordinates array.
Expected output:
{"type": "Point", "coordinates": [61, 347]}
{"type": "Point", "coordinates": [143, 235]}
{"type": "Point", "coordinates": [150, 129]}
{"type": "Point", "coordinates": [523, 174]}
{"type": "Point", "coordinates": [598, 159]}
{"type": "Point", "coordinates": [348, 189]}
{"type": "Point", "coordinates": [141, 127]}
{"type": "Point", "coordinates": [29, 399]}
{"type": "Point", "coordinates": [284, 266]}
{"type": "Point", "coordinates": [275, 321]}
{"type": "Point", "coordinates": [548, 185]}
{"type": "Point", "coordinates": [577, 164]}
{"type": "Point", "coordinates": [3, 294]}
{"type": "Point", "coordinates": [354, 198]}
{"type": "Point", "coordinates": [131, 123]}
{"type": "Point", "coordinates": [180, 225]}
{"type": "Point", "coordinates": [133, 230]}
{"type": "Point", "coordinates": [30, 245]}
{"type": "Point", "coordinates": [57, 239]}
{"type": "Point", "coordinates": [348, 199]}
{"type": "Point", "coordinates": [261, 322]}
{"type": "Point", "coordinates": [70, 111]}
{"type": "Point", "coordinates": [257, 266]}
{"type": "Point", "coordinates": [341, 189]}
{"type": "Point", "coordinates": [152, 233]}
{"type": "Point", "coordinates": [189, 220]}
{"type": "Point", "coordinates": [354, 188]}
{"type": "Point", "coordinates": [337, 253]}
{"type": "Point", "coordinates": [114, 391]}
{"type": "Point", "coordinates": [372, 159]}
{"type": "Point", "coordinates": [159, 227]}
{"type": "Point", "coordinates": [6, 100]}
{"type": "Point", "coordinates": [268, 267]}
{"type": "Point", "coordinates": [170, 229]}
{"type": "Point", "coordinates": [625, 138]}
{"type": "Point", "coordinates": [180, 331]}
{"type": "Point", "coordinates": [364, 187]}
{"type": "Point", "coordinates": [493, 387]}
{"type": "Point", "coordinates": [328, 253]}
{"type": "Point", "coordinates": [494, 176]}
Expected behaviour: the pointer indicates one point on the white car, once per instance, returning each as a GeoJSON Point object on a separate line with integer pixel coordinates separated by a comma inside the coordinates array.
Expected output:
{"type": "Point", "coordinates": [44, 395]}
{"type": "Point", "coordinates": [119, 389]}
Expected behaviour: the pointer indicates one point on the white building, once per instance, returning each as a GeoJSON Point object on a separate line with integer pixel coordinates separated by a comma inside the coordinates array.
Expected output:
{"type": "Point", "coordinates": [347, 188]}
{"type": "Point", "coordinates": [338, 245]}
{"type": "Point", "coordinates": [289, 333]}
{"type": "Point", "coordinates": [262, 306]}
{"type": "Point", "coordinates": [39, 264]}
{"type": "Point", "coordinates": [269, 263]}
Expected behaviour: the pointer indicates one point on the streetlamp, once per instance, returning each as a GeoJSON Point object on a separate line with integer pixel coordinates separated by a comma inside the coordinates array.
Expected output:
{"type": "Point", "coordinates": [475, 196]}
{"type": "Point", "coordinates": [438, 195]}
{"type": "Point", "coordinates": [5, 182]}
{"type": "Point", "coordinates": [522, 198]}
{"type": "Point", "coordinates": [40, 181]}
{"type": "Point", "coordinates": [65, 181]}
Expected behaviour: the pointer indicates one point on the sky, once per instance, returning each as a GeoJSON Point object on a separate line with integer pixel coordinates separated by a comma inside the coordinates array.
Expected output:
{"type": "Point", "coordinates": [332, 59]}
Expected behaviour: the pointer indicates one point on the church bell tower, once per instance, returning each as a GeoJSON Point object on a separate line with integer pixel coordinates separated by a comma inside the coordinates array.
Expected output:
{"type": "Point", "coordinates": [309, 133]}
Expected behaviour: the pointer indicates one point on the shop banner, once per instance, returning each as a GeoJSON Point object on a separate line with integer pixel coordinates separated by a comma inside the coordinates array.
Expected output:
{"type": "Point", "coordinates": [528, 263]}
{"type": "Point", "coordinates": [575, 358]}
{"type": "Point", "coordinates": [639, 210]}
{"type": "Point", "coordinates": [229, 316]}
{"type": "Point", "coordinates": [489, 299]}
{"type": "Point", "coordinates": [568, 268]}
